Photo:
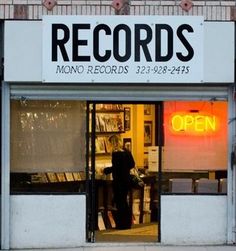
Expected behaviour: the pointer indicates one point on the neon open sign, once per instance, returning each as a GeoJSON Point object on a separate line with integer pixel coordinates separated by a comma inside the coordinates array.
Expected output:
{"type": "Point", "coordinates": [194, 123]}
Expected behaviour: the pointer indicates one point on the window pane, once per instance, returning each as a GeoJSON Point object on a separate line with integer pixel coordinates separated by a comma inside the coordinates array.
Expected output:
{"type": "Point", "coordinates": [195, 142]}
{"type": "Point", "coordinates": [48, 141]}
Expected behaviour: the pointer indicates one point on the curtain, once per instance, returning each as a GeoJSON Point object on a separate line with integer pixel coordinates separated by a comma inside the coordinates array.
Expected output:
{"type": "Point", "coordinates": [48, 136]}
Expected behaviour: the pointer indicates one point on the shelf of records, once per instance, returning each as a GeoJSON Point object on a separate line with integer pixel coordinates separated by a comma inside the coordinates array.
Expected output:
{"type": "Point", "coordinates": [141, 209]}
{"type": "Point", "coordinates": [52, 177]}
{"type": "Point", "coordinates": [109, 107]}
{"type": "Point", "coordinates": [102, 145]}
{"type": "Point", "coordinates": [110, 118]}
{"type": "Point", "coordinates": [110, 122]}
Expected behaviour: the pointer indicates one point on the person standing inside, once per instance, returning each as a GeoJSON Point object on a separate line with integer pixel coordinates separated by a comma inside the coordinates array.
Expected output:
{"type": "Point", "coordinates": [122, 162]}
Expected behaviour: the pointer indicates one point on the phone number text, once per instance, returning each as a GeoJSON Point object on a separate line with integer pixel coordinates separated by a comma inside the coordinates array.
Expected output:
{"type": "Point", "coordinates": [162, 70]}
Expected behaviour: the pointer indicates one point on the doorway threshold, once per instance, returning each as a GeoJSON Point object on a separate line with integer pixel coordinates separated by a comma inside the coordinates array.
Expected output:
{"type": "Point", "coordinates": [140, 233]}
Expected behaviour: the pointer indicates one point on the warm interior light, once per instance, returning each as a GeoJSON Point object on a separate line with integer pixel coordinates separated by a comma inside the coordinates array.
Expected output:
{"type": "Point", "coordinates": [193, 123]}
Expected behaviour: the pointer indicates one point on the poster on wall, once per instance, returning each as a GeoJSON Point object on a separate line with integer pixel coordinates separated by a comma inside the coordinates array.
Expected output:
{"type": "Point", "coordinates": [147, 133]}
{"type": "Point", "coordinates": [105, 49]}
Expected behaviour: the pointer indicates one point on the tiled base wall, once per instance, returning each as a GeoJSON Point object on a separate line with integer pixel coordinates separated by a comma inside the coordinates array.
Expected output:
{"type": "Point", "coordinates": [33, 9]}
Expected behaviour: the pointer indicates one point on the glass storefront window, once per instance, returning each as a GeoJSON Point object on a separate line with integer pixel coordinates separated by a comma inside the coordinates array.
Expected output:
{"type": "Point", "coordinates": [195, 147]}
{"type": "Point", "coordinates": [48, 146]}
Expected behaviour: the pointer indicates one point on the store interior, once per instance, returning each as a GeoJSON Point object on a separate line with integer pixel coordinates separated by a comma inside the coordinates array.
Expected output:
{"type": "Point", "coordinates": [125, 120]}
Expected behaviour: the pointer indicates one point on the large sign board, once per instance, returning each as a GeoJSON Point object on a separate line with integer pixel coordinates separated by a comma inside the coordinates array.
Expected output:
{"type": "Point", "coordinates": [122, 49]}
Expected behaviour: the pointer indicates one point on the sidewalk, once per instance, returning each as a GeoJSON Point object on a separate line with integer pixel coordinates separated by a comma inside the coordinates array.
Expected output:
{"type": "Point", "coordinates": [141, 247]}
{"type": "Point", "coordinates": [154, 247]}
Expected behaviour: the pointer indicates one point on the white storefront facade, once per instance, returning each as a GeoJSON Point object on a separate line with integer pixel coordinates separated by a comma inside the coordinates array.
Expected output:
{"type": "Point", "coordinates": [47, 61]}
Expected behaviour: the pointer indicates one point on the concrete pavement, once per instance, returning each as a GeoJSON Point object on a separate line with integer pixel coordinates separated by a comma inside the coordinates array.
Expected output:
{"type": "Point", "coordinates": [141, 247]}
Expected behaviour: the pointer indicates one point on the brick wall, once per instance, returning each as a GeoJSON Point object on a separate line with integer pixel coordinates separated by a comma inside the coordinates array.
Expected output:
{"type": "Point", "coordinates": [33, 9]}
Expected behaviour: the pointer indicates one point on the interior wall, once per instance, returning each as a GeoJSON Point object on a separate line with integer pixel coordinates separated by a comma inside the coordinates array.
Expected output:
{"type": "Point", "coordinates": [138, 134]}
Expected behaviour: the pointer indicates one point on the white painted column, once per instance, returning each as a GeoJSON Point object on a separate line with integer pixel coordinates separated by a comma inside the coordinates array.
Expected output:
{"type": "Point", "coordinates": [5, 198]}
{"type": "Point", "coordinates": [231, 180]}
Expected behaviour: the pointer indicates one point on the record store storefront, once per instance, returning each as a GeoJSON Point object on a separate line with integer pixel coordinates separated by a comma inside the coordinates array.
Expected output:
{"type": "Point", "coordinates": [165, 85]}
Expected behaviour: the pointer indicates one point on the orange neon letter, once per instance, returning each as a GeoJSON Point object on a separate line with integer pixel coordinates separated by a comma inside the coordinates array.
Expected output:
{"type": "Point", "coordinates": [211, 122]}
{"type": "Point", "coordinates": [177, 123]}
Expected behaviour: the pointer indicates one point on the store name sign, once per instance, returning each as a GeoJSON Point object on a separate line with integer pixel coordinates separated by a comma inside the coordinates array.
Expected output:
{"type": "Point", "coordinates": [191, 123]}
{"type": "Point", "coordinates": [125, 49]}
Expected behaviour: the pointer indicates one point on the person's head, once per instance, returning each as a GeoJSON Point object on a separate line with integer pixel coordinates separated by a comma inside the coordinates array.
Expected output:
{"type": "Point", "coordinates": [115, 141]}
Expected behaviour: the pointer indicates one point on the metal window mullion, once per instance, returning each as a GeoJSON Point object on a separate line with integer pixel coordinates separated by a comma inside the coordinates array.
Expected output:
{"type": "Point", "coordinates": [5, 182]}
